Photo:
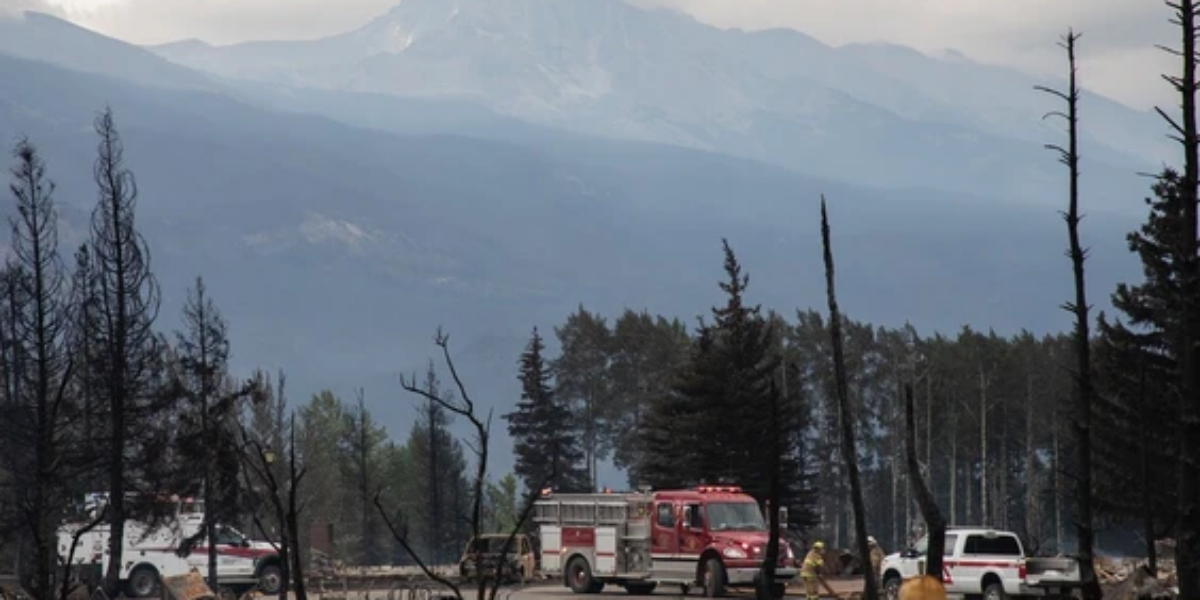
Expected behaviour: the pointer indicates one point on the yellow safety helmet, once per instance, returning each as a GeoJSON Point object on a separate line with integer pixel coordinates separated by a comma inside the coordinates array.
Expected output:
{"type": "Point", "coordinates": [818, 545]}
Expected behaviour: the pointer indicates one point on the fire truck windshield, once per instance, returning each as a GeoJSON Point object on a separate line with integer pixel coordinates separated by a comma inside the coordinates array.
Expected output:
{"type": "Point", "coordinates": [734, 516]}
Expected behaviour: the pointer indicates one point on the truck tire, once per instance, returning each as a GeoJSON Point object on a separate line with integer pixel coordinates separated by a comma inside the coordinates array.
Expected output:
{"type": "Point", "coordinates": [891, 587]}
{"type": "Point", "coordinates": [579, 577]}
{"type": "Point", "coordinates": [994, 591]}
{"type": "Point", "coordinates": [714, 578]}
{"type": "Point", "coordinates": [142, 582]}
{"type": "Point", "coordinates": [270, 579]}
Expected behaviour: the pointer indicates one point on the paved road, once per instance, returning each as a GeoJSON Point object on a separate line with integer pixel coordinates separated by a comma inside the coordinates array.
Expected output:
{"type": "Point", "coordinates": [555, 591]}
{"type": "Point", "coordinates": [552, 590]}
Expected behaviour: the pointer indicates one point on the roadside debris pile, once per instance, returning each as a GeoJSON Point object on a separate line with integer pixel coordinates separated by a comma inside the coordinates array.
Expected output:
{"type": "Point", "coordinates": [1131, 578]}
{"type": "Point", "coordinates": [1137, 584]}
{"type": "Point", "coordinates": [1112, 571]}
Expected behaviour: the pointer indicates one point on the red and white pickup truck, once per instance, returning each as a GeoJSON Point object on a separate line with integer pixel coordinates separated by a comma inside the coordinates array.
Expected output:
{"type": "Point", "coordinates": [984, 563]}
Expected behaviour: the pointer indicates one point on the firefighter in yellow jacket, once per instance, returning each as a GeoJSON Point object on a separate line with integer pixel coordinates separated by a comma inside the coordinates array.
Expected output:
{"type": "Point", "coordinates": [876, 555]}
{"type": "Point", "coordinates": [810, 570]}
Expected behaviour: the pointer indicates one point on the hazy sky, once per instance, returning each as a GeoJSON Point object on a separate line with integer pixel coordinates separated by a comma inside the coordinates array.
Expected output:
{"type": "Point", "coordinates": [1117, 53]}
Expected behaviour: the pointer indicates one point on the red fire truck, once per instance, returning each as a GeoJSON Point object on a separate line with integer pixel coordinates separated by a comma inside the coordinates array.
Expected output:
{"type": "Point", "coordinates": [710, 536]}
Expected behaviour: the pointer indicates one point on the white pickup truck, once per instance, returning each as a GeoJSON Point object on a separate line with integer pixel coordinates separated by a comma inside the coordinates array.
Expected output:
{"type": "Point", "coordinates": [984, 563]}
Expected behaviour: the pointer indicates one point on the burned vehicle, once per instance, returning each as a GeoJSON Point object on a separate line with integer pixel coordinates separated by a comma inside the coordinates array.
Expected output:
{"type": "Point", "coordinates": [519, 565]}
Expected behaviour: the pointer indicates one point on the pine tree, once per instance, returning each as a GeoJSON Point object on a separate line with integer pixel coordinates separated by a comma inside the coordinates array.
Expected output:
{"type": "Point", "coordinates": [1137, 360]}
{"type": "Point", "coordinates": [581, 375]}
{"type": "Point", "coordinates": [644, 349]}
{"type": "Point", "coordinates": [127, 304]}
{"type": "Point", "coordinates": [37, 415]}
{"type": "Point", "coordinates": [546, 440]}
{"type": "Point", "coordinates": [203, 359]}
{"type": "Point", "coordinates": [709, 427]}
{"type": "Point", "coordinates": [439, 478]}
{"type": "Point", "coordinates": [361, 447]}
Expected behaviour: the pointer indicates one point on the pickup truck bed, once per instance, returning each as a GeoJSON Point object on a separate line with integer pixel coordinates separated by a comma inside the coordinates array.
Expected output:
{"type": "Point", "coordinates": [1053, 572]}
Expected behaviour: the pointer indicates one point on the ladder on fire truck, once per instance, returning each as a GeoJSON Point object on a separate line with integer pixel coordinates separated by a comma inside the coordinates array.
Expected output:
{"type": "Point", "coordinates": [621, 526]}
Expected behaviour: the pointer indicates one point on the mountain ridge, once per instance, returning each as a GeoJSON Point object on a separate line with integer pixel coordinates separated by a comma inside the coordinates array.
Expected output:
{"type": "Point", "coordinates": [607, 68]}
{"type": "Point", "coordinates": [336, 250]}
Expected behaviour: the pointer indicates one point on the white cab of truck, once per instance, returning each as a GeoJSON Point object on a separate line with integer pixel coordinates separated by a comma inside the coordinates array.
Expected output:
{"type": "Point", "coordinates": [984, 563]}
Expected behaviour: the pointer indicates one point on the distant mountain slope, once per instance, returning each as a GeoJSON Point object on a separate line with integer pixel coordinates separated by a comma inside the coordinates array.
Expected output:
{"type": "Point", "coordinates": [335, 251]}
{"type": "Point", "coordinates": [884, 115]}
{"type": "Point", "coordinates": [43, 37]}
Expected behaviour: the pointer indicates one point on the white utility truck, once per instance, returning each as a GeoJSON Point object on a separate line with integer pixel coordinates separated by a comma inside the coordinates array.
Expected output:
{"type": "Point", "coordinates": [984, 563]}
{"type": "Point", "coordinates": [151, 553]}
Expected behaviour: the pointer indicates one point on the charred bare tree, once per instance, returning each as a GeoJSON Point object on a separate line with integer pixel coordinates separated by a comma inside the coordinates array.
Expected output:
{"type": "Point", "coordinates": [40, 411]}
{"type": "Point", "coordinates": [849, 447]}
{"type": "Point", "coordinates": [767, 588]}
{"type": "Point", "coordinates": [67, 586]}
{"type": "Point", "coordinates": [464, 407]}
{"type": "Point", "coordinates": [127, 305]}
{"type": "Point", "coordinates": [1187, 338]}
{"type": "Point", "coordinates": [203, 357]}
{"type": "Point", "coordinates": [260, 460]}
{"type": "Point", "coordinates": [935, 522]}
{"type": "Point", "coordinates": [1082, 418]}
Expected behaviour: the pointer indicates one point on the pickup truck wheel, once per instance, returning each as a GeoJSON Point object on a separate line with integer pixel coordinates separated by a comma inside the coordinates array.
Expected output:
{"type": "Point", "coordinates": [714, 578]}
{"type": "Point", "coordinates": [891, 588]}
{"type": "Point", "coordinates": [143, 582]}
{"type": "Point", "coordinates": [270, 579]}
{"type": "Point", "coordinates": [993, 591]}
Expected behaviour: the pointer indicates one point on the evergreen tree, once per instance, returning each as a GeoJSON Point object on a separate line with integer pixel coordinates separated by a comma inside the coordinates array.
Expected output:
{"type": "Point", "coordinates": [709, 427]}
{"type": "Point", "coordinates": [439, 479]}
{"type": "Point", "coordinates": [361, 446]}
{"type": "Point", "coordinates": [329, 498]}
{"type": "Point", "coordinates": [205, 435]}
{"type": "Point", "coordinates": [132, 354]}
{"type": "Point", "coordinates": [546, 438]}
{"type": "Point", "coordinates": [670, 457]}
{"type": "Point", "coordinates": [39, 410]}
{"type": "Point", "coordinates": [503, 504]}
{"type": "Point", "coordinates": [1137, 360]}
{"type": "Point", "coordinates": [581, 376]}
{"type": "Point", "coordinates": [644, 348]}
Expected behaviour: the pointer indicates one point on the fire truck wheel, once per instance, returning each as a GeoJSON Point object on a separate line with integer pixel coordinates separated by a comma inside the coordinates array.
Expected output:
{"type": "Point", "coordinates": [143, 582]}
{"type": "Point", "coordinates": [580, 577]}
{"type": "Point", "coordinates": [714, 578]}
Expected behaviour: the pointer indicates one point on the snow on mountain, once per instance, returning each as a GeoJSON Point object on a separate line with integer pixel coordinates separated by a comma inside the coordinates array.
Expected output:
{"type": "Point", "coordinates": [888, 115]}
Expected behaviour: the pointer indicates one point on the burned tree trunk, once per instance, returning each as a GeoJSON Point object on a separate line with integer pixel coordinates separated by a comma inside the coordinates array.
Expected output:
{"type": "Point", "coordinates": [766, 588]}
{"type": "Point", "coordinates": [935, 523]}
{"type": "Point", "coordinates": [127, 303]}
{"type": "Point", "coordinates": [849, 447]}
{"type": "Point", "coordinates": [1082, 417]}
{"type": "Point", "coordinates": [37, 419]}
{"type": "Point", "coordinates": [1186, 336]}
{"type": "Point", "coordinates": [464, 407]}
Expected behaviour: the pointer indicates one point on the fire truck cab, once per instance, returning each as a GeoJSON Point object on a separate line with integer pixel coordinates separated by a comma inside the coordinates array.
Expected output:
{"type": "Point", "coordinates": [709, 536]}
